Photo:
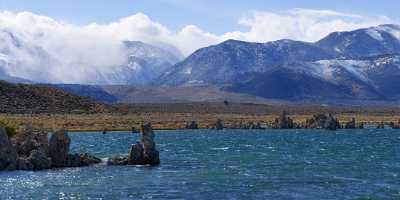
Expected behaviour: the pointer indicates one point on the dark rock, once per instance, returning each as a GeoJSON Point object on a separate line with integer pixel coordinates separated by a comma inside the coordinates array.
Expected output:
{"type": "Point", "coordinates": [253, 125]}
{"type": "Point", "coordinates": [322, 121]}
{"type": "Point", "coordinates": [192, 125]}
{"type": "Point", "coordinates": [59, 149]}
{"type": "Point", "coordinates": [396, 126]}
{"type": "Point", "coordinates": [283, 122]}
{"type": "Point", "coordinates": [219, 125]}
{"type": "Point", "coordinates": [86, 160]}
{"type": "Point", "coordinates": [351, 124]}
{"type": "Point", "coordinates": [134, 130]}
{"type": "Point", "coordinates": [8, 155]}
{"type": "Point", "coordinates": [30, 139]}
{"type": "Point", "coordinates": [24, 164]}
{"type": "Point", "coordinates": [81, 160]}
{"type": "Point", "coordinates": [136, 155]}
{"type": "Point", "coordinates": [380, 125]}
{"type": "Point", "coordinates": [33, 151]}
{"type": "Point", "coordinates": [141, 153]}
{"type": "Point", "coordinates": [72, 160]}
{"type": "Point", "coordinates": [39, 160]}
{"type": "Point", "coordinates": [144, 152]}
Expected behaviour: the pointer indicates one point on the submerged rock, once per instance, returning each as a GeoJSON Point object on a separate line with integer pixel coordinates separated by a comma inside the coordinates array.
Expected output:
{"type": "Point", "coordinates": [118, 161]}
{"type": "Point", "coordinates": [144, 152]}
{"type": "Point", "coordinates": [87, 160]}
{"type": "Point", "coordinates": [8, 154]}
{"type": "Point", "coordinates": [322, 121]}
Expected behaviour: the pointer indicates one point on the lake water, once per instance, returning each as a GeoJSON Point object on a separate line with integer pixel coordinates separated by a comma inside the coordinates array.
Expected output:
{"type": "Point", "coordinates": [204, 164]}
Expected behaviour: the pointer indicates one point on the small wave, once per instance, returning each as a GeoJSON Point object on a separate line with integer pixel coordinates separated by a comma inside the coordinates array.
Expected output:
{"type": "Point", "coordinates": [349, 179]}
{"type": "Point", "coordinates": [221, 148]}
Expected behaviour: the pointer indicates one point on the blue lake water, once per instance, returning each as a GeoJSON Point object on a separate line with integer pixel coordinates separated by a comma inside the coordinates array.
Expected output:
{"type": "Point", "coordinates": [204, 164]}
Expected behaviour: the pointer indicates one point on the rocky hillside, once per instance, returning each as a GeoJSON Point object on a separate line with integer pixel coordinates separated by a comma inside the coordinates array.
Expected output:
{"type": "Point", "coordinates": [22, 98]}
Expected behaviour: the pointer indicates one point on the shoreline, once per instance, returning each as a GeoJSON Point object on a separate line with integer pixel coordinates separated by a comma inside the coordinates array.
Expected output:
{"type": "Point", "coordinates": [170, 121]}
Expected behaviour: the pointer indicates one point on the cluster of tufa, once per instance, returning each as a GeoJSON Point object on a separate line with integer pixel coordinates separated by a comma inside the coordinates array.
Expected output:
{"type": "Point", "coordinates": [33, 150]}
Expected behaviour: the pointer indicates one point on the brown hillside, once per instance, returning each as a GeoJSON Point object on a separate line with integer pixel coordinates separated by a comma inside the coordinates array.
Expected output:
{"type": "Point", "coordinates": [23, 98]}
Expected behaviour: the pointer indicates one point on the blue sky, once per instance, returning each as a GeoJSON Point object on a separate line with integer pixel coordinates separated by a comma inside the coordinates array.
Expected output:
{"type": "Point", "coordinates": [217, 16]}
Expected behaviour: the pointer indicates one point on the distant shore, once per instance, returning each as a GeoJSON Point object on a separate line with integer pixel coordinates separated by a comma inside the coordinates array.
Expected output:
{"type": "Point", "coordinates": [166, 121]}
{"type": "Point", "coordinates": [178, 116]}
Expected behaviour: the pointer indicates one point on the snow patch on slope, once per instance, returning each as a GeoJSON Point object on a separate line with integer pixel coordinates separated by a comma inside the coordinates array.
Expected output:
{"type": "Point", "coordinates": [394, 30]}
{"type": "Point", "coordinates": [375, 34]}
{"type": "Point", "coordinates": [328, 69]}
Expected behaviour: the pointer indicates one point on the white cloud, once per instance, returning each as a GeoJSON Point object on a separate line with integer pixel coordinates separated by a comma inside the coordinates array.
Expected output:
{"type": "Point", "coordinates": [301, 24]}
{"type": "Point", "coordinates": [79, 54]}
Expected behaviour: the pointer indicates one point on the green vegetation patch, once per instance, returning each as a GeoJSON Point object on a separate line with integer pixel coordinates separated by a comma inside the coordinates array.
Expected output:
{"type": "Point", "coordinates": [10, 127]}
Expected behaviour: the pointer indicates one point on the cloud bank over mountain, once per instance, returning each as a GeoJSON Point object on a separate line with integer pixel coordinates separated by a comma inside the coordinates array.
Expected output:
{"type": "Point", "coordinates": [41, 48]}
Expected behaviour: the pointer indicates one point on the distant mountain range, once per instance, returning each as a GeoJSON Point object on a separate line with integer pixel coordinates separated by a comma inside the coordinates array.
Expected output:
{"type": "Point", "coordinates": [359, 65]}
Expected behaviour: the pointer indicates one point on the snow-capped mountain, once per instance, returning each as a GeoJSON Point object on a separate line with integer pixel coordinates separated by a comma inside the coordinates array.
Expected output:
{"type": "Point", "coordinates": [24, 59]}
{"type": "Point", "coordinates": [372, 78]}
{"type": "Point", "coordinates": [145, 63]}
{"type": "Point", "coordinates": [223, 63]}
{"type": "Point", "coordinates": [361, 64]}
{"type": "Point", "coordinates": [383, 39]}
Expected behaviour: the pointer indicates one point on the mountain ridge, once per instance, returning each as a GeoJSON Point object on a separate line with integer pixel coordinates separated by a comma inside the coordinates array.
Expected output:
{"type": "Point", "coordinates": [361, 65]}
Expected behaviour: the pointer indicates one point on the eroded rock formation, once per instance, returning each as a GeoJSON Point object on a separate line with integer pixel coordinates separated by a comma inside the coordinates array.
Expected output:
{"type": "Point", "coordinates": [283, 122]}
{"type": "Point", "coordinates": [192, 125]}
{"type": "Point", "coordinates": [219, 125]}
{"type": "Point", "coordinates": [32, 150]}
{"type": "Point", "coordinates": [59, 148]}
{"type": "Point", "coordinates": [351, 124]}
{"type": "Point", "coordinates": [144, 152]}
{"type": "Point", "coordinates": [322, 121]}
{"type": "Point", "coordinates": [396, 125]}
{"type": "Point", "coordinates": [8, 155]}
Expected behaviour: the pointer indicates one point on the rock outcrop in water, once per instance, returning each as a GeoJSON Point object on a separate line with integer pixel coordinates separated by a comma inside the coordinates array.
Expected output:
{"type": "Point", "coordinates": [8, 155]}
{"type": "Point", "coordinates": [380, 126]}
{"type": "Point", "coordinates": [249, 125]}
{"type": "Point", "coordinates": [351, 124]}
{"type": "Point", "coordinates": [59, 148]}
{"type": "Point", "coordinates": [193, 125]}
{"type": "Point", "coordinates": [32, 150]}
{"type": "Point", "coordinates": [219, 125]}
{"type": "Point", "coordinates": [322, 121]}
{"type": "Point", "coordinates": [283, 122]}
{"type": "Point", "coordinates": [395, 125]}
{"type": "Point", "coordinates": [144, 152]}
